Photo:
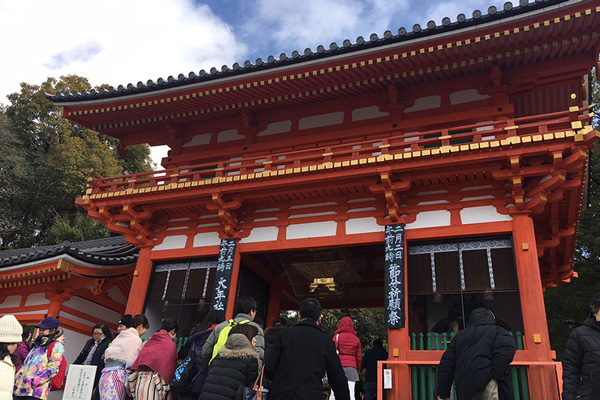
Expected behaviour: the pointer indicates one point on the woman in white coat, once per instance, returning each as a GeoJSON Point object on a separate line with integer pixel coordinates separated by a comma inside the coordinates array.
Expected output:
{"type": "Point", "coordinates": [10, 336]}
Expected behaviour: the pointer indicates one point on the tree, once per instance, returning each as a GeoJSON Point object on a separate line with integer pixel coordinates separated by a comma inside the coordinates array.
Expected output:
{"type": "Point", "coordinates": [56, 157]}
{"type": "Point", "coordinates": [568, 304]}
{"type": "Point", "coordinates": [12, 175]}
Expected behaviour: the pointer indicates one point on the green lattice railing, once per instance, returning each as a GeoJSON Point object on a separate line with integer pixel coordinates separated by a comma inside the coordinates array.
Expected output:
{"type": "Point", "coordinates": [424, 377]}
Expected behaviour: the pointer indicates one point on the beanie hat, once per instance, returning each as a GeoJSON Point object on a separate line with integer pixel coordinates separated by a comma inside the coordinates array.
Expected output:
{"type": "Point", "coordinates": [10, 329]}
{"type": "Point", "coordinates": [49, 323]}
{"type": "Point", "coordinates": [126, 320]}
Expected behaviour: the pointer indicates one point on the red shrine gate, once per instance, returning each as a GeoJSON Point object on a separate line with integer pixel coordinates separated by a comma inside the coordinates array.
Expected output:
{"type": "Point", "coordinates": [472, 137]}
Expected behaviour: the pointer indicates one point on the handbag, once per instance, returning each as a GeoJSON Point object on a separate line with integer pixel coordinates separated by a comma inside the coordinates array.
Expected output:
{"type": "Point", "coordinates": [256, 392]}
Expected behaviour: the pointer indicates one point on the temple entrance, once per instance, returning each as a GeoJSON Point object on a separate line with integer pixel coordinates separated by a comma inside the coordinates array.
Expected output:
{"type": "Point", "coordinates": [447, 280]}
{"type": "Point", "coordinates": [340, 277]}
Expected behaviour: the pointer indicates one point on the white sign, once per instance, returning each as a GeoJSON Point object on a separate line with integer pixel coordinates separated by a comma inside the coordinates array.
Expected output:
{"type": "Point", "coordinates": [80, 382]}
{"type": "Point", "coordinates": [387, 378]}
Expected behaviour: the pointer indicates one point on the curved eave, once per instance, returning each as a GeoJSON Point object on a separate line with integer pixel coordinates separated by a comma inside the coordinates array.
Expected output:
{"type": "Point", "coordinates": [360, 47]}
{"type": "Point", "coordinates": [508, 43]}
{"type": "Point", "coordinates": [100, 252]}
{"type": "Point", "coordinates": [58, 268]}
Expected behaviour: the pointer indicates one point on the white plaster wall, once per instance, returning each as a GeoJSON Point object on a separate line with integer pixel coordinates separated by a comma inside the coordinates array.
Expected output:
{"type": "Point", "coordinates": [430, 219]}
{"type": "Point", "coordinates": [466, 96]}
{"type": "Point", "coordinates": [36, 299]}
{"type": "Point", "coordinates": [363, 225]}
{"type": "Point", "coordinates": [115, 294]}
{"type": "Point", "coordinates": [276, 127]}
{"type": "Point", "coordinates": [11, 301]}
{"type": "Point", "coordinates": [172, 242]}
{"type": "Point", "coordinates": [265, 234]}
{"type": "Point", "coordinates": [74, 342]}
{"type": "Point", "coordinates": [368, 113]}
{"type": "Point", "coordinates": [42, 311]}
{"type": "Point", "coordinates": [316, 121]}
{"type": "Point", "coordinates": [198, 140]}
{"type": "Point", "coordinates": [207, 239]}
{"type": "Point", "coordinates": [476, 215]}
{"type": "Point", "coordinates": [94, 309]}
{"type": "Point", "coordinates": [229, 135]}
{"type": "Point", "coordinates": [425, 103]}
{"type": "Point", "coordinates": [311, 229]}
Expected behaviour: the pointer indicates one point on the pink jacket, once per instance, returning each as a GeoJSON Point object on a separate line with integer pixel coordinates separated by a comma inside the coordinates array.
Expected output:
{"type": "Point", "coordinates": [348, 344]}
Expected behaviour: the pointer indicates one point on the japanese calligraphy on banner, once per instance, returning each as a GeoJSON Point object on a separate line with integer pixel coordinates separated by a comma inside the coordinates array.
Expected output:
{"type": "Point", "coordinates": [223, 276]}
{"type": "Point", "coordinates": [394, 276]}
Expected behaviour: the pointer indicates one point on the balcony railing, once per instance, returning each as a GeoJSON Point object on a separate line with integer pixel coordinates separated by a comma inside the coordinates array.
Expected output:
{"type": "Point", "coordinates": [378, 148]}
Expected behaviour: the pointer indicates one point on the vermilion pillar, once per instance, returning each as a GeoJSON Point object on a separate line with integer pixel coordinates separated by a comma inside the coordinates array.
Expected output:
{"type": "Point", "coordinates": [139, 286]}
{"type": "Point", "coordinates": [542, 379]}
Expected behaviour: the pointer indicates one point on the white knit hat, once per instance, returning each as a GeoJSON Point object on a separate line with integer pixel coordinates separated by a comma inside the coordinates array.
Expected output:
{"type": "Point", "coordinates": [10, 330]}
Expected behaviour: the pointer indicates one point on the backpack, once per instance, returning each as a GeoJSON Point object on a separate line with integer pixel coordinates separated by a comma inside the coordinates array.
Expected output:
{"type": "Point", "coordinates": [58, 380]}
{"type": "Point", "coordinates": [185, 373]}
{"type": "Point", "coordinates": [223, 335]}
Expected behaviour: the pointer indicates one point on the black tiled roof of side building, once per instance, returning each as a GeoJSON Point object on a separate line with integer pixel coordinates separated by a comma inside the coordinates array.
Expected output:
{"type": "Point", "coordinates": [108, 251]}
{"type": "Point", "coordinates": [509, 10]}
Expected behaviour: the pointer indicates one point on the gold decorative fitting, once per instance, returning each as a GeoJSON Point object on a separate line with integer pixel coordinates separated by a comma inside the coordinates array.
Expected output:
{"type": "Point", "coordinates": [576, 125]}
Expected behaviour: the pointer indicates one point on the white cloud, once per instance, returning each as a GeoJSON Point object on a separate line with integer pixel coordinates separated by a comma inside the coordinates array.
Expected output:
{"type": "Point", "coordinates": [110, 41]}
{"type": "Point", "coordinates": [295, 25]}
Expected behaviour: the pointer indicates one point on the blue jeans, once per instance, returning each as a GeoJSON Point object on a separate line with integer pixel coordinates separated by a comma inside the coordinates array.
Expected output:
{"type": "Point", "coordinates": [370, 390]}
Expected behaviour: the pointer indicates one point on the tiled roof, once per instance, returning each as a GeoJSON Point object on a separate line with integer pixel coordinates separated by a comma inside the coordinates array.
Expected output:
{"type": "Point", "coordinates": [509, 10]}
{"type": "Point", "coordinates": [109, 251]}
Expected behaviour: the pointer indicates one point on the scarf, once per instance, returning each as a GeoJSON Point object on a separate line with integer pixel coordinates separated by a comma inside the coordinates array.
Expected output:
{"type": "Point", "coordinates": [159, 354]}
{"type": "Point", "coordinates": [126, 347]}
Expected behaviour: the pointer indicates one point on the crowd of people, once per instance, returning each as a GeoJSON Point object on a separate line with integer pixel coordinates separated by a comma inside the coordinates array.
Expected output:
{"type": "Point", "coordinates": [225, 356]}
{"type": "Point", "coordinates": [230, 356]}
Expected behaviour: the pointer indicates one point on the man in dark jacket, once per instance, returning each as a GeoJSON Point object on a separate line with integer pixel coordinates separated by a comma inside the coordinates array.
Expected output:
{"type": "Point", "coordinates": [581, 357]}
{"type": "Point", "coordinates": [298, 359]}
{"type": "Point", "coordinates": [369, 368]}
{"type": "Point", "coordinates": [478, 360]}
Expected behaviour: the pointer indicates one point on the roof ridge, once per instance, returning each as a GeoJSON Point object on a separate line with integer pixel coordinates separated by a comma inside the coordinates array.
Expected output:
{"type": "Point", "coordinates": [347, 47]}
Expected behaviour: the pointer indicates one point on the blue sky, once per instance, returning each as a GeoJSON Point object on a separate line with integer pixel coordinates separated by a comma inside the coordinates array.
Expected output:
{"type": "Point", "coordinates": [125, 41]}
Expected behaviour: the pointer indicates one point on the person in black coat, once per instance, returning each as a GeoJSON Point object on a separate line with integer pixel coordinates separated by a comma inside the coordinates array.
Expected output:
{"type": "Point", "coordinates": [279, 325]}
{"type": "Point", "coordinates": [581, 357]}
{"type": "Point", "coordinates": [197, 338]}
{"type": "Point", "coordinates": [93, 350]}
{"type": "Point", "coordinates": [236, 364]}
{"type": "Point", "coordinates": [478, 360]}
{"type": "Point", "coordinates": [369, 368]}
{"type": "Point", "coordinates": [298, 359]}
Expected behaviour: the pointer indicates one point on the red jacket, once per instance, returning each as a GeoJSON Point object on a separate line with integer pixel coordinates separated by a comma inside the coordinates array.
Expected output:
{"type": "Point", "coordinates": [348, 344]}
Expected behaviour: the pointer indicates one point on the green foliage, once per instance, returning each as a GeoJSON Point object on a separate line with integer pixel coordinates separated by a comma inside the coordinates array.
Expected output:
{"type": "Point", "coordinates": [46, 162]}
{"type": "Point", "coordinates": [568, 305]}
{"type": "Point", "coordinates": [369, 323]}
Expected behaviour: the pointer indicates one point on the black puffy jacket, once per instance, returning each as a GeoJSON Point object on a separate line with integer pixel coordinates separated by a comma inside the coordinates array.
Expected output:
{"type": "Point", "coordinates": [478, 353]}
{"type": "Point", "coordinates": [235, 365]}
{"type": "Point", "coordinates": [581, 358]}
